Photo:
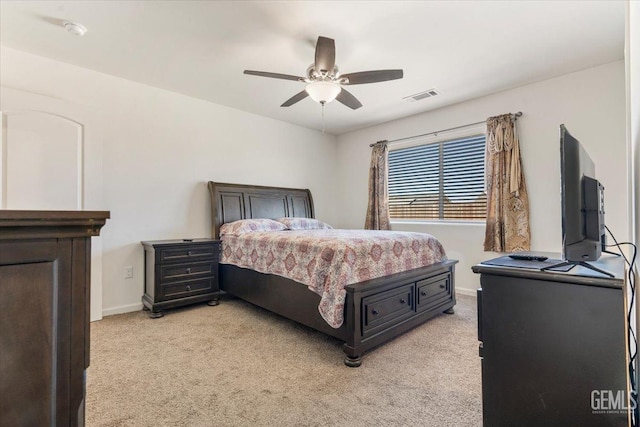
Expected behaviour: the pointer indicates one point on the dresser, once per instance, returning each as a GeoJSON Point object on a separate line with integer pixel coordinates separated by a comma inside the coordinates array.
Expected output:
{"type": "Point", "coordinates": [554, 346]}
{"type": "Point", "coordinates": [180, 272]}
{"type": "Point", "coordinates": [44, 315]}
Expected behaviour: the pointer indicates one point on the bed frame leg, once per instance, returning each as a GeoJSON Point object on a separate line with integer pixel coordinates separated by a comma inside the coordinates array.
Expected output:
{"type": "Point", "coordinates": [449, 311]}
{"type": "Point", "coordinates": [156, 314]}
{"type": "Point", "coordinates": [353, 362]}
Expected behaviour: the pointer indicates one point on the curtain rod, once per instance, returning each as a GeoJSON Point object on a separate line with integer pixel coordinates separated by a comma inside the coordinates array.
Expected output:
{"type": "Point", "coordinates": [515, 116]}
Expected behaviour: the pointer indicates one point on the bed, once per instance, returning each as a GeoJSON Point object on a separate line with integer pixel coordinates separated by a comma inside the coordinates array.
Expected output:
{"type": "Point", "coordinates": [375, 310]}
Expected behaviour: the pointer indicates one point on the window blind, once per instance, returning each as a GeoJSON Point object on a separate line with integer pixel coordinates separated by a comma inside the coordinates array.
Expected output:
{"type": "Point", "coordinates": [443, 180]}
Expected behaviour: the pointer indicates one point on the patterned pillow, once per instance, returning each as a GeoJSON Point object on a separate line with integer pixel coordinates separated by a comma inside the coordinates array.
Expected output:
{"type": "Point", "coordinates": [304, 224]}
{"type": "Point", "coordinates": [250, 225]}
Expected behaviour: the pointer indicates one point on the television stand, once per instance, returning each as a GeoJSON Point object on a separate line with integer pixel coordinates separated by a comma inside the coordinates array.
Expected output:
{"type": "Point", "coordinates": [573, 263]}
{"type": "Point", "coordinates": [538, 332]}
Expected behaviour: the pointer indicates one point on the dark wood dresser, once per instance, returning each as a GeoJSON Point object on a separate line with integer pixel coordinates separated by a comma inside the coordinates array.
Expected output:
{"type": "Point", "coordinates": [554, 346]}
{"type": "Point", "coordinates": [44, 315]}
{"type": "Point", "coordinates": [180, 272]}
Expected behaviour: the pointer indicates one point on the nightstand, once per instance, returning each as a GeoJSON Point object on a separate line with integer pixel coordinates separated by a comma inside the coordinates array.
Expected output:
{"type": "Point", "coordinates": [180, 272]}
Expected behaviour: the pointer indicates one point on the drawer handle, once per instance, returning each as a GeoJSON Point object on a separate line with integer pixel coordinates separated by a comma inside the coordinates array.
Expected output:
{"type": "Point", "coordinates": [188, 288]}
{"type": "Point", "coordinates": [442, 286]}
{"type": "Point", "coordinates": [374, 311]}
{"type": "Point", "coordinates": [423, 293]}
{"type": "Point", "coordinates": [189, 253]}
{"type": "Point", "coordinates": [188, 270]}
{"type": "Point", "coordinates": [403, 301]}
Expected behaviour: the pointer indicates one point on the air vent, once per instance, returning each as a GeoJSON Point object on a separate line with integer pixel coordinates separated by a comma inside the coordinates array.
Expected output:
{"type": "Point", "coordinates": [422, 95]}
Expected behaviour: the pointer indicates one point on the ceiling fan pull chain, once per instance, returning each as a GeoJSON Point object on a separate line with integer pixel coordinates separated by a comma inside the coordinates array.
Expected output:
{"type": "Point", "coordinates": [322, 103]}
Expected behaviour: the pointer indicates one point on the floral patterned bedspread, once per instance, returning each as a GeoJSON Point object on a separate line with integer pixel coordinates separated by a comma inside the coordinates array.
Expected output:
{"type": "Point", "coordinates": [328, 260]}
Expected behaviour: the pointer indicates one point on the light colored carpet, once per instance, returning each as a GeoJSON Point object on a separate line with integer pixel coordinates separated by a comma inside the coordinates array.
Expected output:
{"type": "Point", "coordinates": [239, 365]}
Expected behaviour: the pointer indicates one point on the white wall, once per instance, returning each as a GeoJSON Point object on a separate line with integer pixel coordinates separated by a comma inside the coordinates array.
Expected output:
{"type": "Point", "coordinates": [633, 74]}
{"type": "Point", "coordinates": [159, 150]}
{"type": "Point", "coordinates": [632, 59]}
{"type": "Point", "coordinates": [591, 103]}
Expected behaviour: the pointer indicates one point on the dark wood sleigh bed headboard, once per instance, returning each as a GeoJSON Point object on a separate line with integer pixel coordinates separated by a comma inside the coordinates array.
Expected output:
{"type": "Point", "coordinates": [232, 202]}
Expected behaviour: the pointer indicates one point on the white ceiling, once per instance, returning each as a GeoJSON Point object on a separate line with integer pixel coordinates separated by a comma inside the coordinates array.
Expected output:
{"type": "Point", "coordinates": [464, 49]}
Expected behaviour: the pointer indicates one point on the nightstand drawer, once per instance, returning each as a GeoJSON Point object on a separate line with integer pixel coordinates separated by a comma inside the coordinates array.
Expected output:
{"type": "Point", "coordinates": [188, 253]}
{"type": "Point", "coordinates": [172, 272]}
{"type": "Point", "coordinates": [185, 289]}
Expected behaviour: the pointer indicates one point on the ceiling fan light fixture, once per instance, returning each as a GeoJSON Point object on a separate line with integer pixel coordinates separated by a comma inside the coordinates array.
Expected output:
{"type": "Point", "coordinates": [323, 92]}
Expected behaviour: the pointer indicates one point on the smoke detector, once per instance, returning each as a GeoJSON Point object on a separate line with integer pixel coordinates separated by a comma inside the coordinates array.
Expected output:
{"type": "Point", "coordinates": [75, 29]}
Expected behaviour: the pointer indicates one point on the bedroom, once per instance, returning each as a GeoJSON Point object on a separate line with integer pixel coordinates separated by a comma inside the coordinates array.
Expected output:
{"type": "Point", "coordinates": [158, 148]}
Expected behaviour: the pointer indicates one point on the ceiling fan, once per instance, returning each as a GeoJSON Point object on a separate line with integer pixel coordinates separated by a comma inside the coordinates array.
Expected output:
{"type": "Point", "coordinates": [324, 81]}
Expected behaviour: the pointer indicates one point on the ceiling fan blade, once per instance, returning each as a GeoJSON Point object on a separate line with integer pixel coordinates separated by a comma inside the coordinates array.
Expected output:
{"type": "Point", "coordinates": [349, 100]}
{"type": "Point", "coordinates": [273, 75]}
{"type": "Point", "coordinates": [325, 54]}
{"type": "Point", "coordinates": [372, 76]}
{"type": "Point", "coordinates": [295, 98]}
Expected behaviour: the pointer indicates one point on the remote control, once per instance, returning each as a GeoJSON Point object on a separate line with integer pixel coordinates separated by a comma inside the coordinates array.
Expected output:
{"type": "Point", "coordinates": [524, 257]}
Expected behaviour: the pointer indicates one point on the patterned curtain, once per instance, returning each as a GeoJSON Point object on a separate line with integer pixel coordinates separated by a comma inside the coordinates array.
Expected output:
{"type": "Point", "coordinates": [507, 201]}
{"type": "Point", "coordinates": [378, 207]}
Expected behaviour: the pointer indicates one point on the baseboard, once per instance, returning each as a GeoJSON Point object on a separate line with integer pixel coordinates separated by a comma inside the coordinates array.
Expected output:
{"type": "Point", "coordinates": [122, 309]}
{"type": "Point", "coordinates": [470, 292]}
{"type": "Point", "coordinates": [135, 307]}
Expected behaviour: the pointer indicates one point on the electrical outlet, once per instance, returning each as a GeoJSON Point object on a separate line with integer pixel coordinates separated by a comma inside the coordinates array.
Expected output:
{"type": "Point", "coordinates": [128, 272]}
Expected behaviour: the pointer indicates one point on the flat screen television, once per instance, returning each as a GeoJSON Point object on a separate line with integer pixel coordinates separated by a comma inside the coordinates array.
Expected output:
{"type": "Point", "coordinates": [583, 230]}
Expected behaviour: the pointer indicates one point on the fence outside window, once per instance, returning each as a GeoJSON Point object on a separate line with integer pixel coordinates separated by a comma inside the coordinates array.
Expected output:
{"type": "Point", "coordinates": [439, 181]}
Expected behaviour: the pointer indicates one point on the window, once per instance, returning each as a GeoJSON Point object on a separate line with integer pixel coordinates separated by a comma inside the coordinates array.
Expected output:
{"type": "Point", "coordinates": [442, 180]}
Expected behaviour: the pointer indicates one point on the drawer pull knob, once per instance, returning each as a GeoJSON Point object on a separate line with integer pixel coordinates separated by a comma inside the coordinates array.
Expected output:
{"type": "Point", "coordinates": [374, 311]}
{"type": "Point", "coordinates": [423, 293]}
{"type": "Point", "coordinates": [188, 270]}
{"type": "Point", "coordinates": [188, 288]}
{"type": "Point", "coordinates": [403, 301]}
{"type": "Point", "coordinates": [442, 286]}
{"type": "Point", "coordinates": [190, 253]}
